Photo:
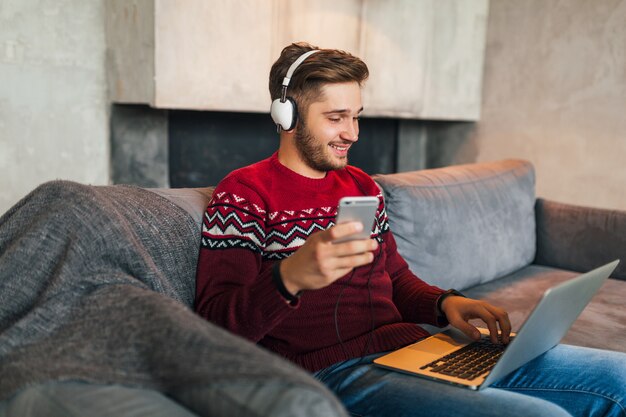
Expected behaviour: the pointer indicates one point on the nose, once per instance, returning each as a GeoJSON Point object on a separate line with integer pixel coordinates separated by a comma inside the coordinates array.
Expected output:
{"type": "Point", "coordinates": [351, 131]}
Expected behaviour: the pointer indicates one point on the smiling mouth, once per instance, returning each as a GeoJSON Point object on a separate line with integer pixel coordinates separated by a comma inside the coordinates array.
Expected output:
{"type": "Point", "coordinates": [340, 148]}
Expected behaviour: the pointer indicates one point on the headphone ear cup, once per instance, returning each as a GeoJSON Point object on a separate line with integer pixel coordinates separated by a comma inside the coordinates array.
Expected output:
{"type": "Point", "coordinates": [284, 114]}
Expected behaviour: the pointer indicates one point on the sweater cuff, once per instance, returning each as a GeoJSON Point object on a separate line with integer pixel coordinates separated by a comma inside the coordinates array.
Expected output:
{"type": "Point", "coordinates": [277, 279]}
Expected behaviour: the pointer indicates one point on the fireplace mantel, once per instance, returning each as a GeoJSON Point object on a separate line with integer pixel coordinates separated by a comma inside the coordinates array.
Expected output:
{"type": "Point", "coordinates": [425, 57]}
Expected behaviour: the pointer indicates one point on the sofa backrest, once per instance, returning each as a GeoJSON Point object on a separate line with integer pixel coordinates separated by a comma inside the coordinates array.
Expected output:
{"type": "Point", "coordinates": [463, 225]}
{"type": "Point", "coordinates": [456, 226]}
{"type": "Point", "coordinates": [193, 200]}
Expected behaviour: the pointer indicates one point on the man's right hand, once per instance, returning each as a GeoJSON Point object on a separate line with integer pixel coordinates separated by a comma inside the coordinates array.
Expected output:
{"type": "Point", "coordinates": [320, 262]}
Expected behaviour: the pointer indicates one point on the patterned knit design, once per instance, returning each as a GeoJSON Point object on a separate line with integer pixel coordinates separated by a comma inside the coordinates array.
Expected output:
{"type": "Point", "coordinates": [231, 221]}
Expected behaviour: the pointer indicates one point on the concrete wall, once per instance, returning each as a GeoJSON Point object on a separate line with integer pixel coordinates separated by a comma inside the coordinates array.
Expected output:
{"type": "Point", "coordinates": [53, 104]}
{"type": "Point", "coordinates": [554, 92]}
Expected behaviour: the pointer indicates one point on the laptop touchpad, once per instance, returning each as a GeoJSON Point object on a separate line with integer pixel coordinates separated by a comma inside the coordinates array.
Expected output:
{"type": "Point", "coordinates": [437, 344]}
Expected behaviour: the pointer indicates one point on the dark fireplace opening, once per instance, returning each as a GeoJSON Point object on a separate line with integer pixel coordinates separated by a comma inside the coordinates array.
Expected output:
{"type": "Point", "coordinates": [183, 148]}
{"type": "Point", "coordinates": [206, 146]}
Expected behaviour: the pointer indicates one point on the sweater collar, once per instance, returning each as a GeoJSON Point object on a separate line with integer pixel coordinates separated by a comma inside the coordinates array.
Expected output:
{"type": "Point", "coordinates": [299, 180]}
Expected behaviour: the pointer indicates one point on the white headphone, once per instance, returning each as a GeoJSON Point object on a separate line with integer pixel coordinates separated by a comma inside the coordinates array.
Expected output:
{"type": "Point", "coordinates": [284, 110]}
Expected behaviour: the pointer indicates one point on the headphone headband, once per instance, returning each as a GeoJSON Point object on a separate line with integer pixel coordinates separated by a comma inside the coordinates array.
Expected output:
{"type": "Point", "coordinates": [295, 65]}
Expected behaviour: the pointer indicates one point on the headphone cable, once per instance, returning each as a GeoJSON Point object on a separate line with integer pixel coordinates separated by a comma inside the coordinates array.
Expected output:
{"type": "Point", "coordinates": [371, 308]}
{"type": "Point", "coordinates": [369, 289]}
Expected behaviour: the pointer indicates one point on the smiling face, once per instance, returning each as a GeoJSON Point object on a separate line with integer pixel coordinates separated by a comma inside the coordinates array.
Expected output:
{"type": "Point", "coordinates": [322, 139]}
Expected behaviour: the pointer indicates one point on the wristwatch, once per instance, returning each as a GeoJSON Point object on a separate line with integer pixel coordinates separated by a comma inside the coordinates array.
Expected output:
{"type": "Point", "coordinates": [444, 296]}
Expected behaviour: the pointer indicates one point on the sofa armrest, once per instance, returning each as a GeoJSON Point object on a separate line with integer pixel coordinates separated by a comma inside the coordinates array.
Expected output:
{"type": "Point", "coordinates": [579, 238]}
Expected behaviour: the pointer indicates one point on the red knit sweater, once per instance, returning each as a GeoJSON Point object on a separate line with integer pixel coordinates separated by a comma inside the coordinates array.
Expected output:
{"type": "Point", "coordinates": [263, 213]}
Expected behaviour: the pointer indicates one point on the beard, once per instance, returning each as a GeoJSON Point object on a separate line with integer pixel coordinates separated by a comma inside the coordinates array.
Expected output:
{"type": "Point", "coordinates": [314, 153]}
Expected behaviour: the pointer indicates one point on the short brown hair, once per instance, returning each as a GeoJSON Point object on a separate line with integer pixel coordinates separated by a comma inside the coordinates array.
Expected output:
{"type": "Point", "coordinates": [325, 67]}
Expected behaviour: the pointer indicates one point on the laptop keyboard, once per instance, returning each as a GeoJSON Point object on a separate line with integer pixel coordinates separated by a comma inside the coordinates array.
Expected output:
{"type": "Point", "coordinates": [469, 362]}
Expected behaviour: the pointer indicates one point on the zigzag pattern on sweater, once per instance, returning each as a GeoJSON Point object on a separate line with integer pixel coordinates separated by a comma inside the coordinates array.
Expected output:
{"type": "Point", "coordinates": [228, 243]}
{"type": "Point", "coordinates": [226, 221]}
{"type": "Point", "coordinates": [232, 222]}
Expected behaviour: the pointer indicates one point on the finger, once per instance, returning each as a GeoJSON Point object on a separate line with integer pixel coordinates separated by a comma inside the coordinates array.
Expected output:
{"type": "Point", "coordinates": [342, 230]}
{"type": "Point", "coordinates": [334, 274]}
{"type": "Point", "coordinates": [485, 315]}
{"type": "Point", "coordinates": [354, 247]}
{"type": "Point", "coordinates": [351, 261]}
{"type": "Point", "coordinates": [478, 310]}
{"type": "Point", "coordinates": [503, 320]}
{"type": "Point", "coordinates": [492, 325]}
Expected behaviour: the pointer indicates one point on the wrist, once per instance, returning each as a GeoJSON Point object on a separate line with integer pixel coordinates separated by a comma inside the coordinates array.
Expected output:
{"type": "Point", "coordinates": [283, 270]}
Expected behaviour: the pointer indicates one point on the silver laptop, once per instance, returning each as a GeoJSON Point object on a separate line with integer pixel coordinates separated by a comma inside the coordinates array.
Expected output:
{"type": "Point", "coordinates": [545, 327]}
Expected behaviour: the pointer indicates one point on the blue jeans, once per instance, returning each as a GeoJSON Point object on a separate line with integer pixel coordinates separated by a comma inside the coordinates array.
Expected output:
{"type": "Point", "coordinates": [565, 381]}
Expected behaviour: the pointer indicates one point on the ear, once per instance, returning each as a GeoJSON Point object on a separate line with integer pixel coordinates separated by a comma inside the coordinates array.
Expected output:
{"type": "Point", "coordinates": [291, 131]}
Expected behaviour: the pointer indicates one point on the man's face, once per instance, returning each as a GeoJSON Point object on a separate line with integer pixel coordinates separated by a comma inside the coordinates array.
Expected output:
{"type": "Point", "coordinates": [331, 126]}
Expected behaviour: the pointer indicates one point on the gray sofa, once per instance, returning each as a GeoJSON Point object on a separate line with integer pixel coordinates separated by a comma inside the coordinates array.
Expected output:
{"type": "Point", "coordinates": [478, 228]}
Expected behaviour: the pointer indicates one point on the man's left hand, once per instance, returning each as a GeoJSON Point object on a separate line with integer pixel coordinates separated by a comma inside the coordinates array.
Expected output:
{"type": "Point", "coordinates": [459, 310]}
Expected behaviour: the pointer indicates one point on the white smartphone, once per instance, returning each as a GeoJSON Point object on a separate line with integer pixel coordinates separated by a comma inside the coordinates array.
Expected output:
{"type": "Point", "coordinates": [359, 209]}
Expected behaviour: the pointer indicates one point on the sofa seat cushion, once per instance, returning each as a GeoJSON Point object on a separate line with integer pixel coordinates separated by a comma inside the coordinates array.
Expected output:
{"type": "Point", "coordinates": [601, 325]}
{"type": "Point", "coordinates": [463, 225]}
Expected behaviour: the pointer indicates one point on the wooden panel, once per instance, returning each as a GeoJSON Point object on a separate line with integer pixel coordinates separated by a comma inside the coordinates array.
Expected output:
{"type": "Point", "coordinates": [425, 56]}
{"type": "Point", "coordinates": [456, 55]}
{"type": "Point", "coordinates": [324, 23]}
{"type": "Point", "coordinates": [396, 37]}
{"type": "Point", "coordinates": [130, 50]}
{"type": "Point", "coordinates": [213, 55]}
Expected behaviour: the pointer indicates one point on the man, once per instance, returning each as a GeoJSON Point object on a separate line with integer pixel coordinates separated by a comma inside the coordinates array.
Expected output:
{"type": "Point", "coordinates": [271, 271]}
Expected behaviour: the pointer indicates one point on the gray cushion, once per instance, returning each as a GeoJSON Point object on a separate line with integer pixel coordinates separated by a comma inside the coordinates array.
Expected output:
{"type": "Point", "coordinates": [463, 225]}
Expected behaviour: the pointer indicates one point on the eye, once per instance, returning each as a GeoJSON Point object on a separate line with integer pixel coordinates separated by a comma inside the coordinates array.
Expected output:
{"type": "Point", "coordinates": [334, 119]}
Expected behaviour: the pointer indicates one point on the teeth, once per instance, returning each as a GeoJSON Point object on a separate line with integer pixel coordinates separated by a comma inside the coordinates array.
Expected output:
{"type": "Point", "coordinates": [341, 148]}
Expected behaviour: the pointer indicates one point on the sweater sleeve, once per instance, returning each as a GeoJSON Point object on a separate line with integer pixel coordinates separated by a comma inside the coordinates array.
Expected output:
{"type": "Point", "coordinates": [234, 288]}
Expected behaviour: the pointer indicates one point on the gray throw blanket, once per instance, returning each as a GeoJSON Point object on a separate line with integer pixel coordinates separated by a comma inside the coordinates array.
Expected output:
{"type": "Point", "coordinates": [96, 285]}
